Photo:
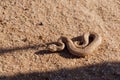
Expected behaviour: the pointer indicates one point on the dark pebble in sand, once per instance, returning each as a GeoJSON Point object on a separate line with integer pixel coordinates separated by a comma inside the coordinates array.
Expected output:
{"type": "Point", "coordinates": [41, 24]}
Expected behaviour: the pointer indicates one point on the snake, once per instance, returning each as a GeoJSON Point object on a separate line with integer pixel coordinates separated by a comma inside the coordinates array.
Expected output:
{"type": "Point", "coordinates": [81, 51]}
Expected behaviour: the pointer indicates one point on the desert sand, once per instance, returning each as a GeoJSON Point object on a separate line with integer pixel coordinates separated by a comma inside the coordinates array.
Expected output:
{"type": "Point", "coordinates": [27, 26]}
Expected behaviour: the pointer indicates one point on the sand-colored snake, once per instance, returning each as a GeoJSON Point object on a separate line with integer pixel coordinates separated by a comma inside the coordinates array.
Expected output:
{"type": "Point", "coordinates": [75, 49]}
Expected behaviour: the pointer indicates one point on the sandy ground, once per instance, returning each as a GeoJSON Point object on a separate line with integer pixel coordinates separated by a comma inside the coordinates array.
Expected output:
{"type": "Point", "coordinates": [26, 26]}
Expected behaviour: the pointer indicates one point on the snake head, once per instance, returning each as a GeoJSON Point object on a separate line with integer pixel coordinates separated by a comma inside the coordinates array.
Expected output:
{"type": "Point", "coordinates": [52, 48]}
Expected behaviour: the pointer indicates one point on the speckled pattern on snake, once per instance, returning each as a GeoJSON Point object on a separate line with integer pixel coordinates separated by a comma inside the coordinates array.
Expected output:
{"type": "Point", "coordinates": [75, 49]}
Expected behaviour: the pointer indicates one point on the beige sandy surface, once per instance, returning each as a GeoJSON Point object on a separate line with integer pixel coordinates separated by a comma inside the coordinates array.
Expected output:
{"type": "Point", "coordinates": [26, 26]}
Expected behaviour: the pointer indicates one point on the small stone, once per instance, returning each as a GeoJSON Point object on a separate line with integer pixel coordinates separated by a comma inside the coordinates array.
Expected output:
{"type": "Point", "coordinates": [40, 37]}
{"type": "Point", "coordinates": [41, 24]}
{"type": "Point", "coordinates": [24, 40]}
{"type": "Point", "coordinates": [26, 9]}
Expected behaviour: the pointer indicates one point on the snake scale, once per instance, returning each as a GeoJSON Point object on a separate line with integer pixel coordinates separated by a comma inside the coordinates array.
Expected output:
{"type": "Point", "coordinates": [78, 50]}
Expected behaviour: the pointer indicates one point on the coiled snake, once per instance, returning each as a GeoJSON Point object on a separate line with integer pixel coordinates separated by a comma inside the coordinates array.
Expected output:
{"type": "Point", "coordinates": [79, 50]}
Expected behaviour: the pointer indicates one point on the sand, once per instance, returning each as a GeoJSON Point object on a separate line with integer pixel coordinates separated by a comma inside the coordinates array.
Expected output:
{"type": "Point", "coordinates": [27, 26]}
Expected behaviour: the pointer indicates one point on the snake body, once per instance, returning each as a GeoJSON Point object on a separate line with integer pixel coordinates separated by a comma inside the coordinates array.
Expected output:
{"type": "Point", "coordinates": [85, 41]}
{"type": "Point", "coordinates": [75, 49]}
